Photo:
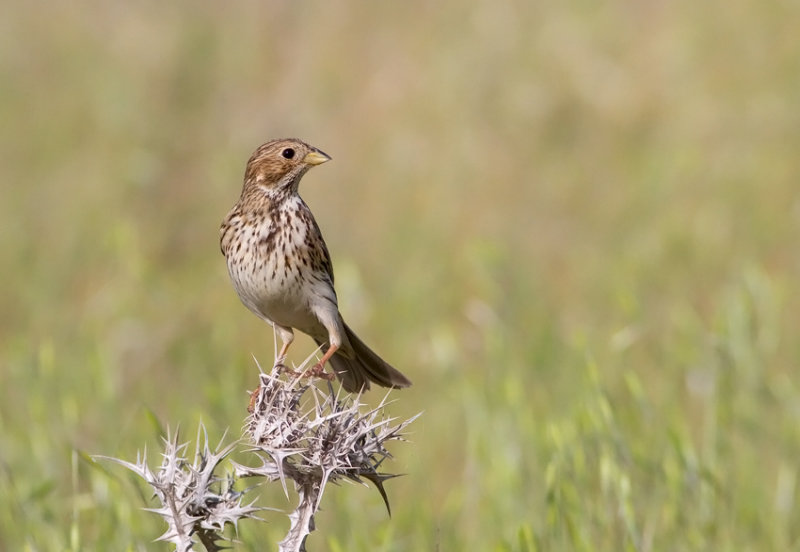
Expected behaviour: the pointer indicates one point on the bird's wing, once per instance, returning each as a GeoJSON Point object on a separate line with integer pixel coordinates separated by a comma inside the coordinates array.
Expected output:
{"type": "Point", "coordinates": [228, 229]}
{"type": "Point", "coordinates": [320, 257]}
{"type": "Point", "coordinates": [322, 251]}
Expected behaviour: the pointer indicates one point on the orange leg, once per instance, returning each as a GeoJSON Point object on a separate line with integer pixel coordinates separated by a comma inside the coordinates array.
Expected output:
{"type": "Point", "coordinates": [282, 353]}
{"type": "Point", "coordinates": [318, 370]}
{"type": "Point", "coordinates": [279, 363]}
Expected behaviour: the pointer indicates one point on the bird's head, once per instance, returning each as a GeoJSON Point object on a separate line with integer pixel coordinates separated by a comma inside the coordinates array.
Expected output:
{"type": "Point", "coordinates": [280, 164]}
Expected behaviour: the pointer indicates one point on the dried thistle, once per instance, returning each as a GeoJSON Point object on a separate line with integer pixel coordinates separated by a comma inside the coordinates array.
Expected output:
{"type": "Point", "coordinates": [194, 500]}
{"type": "Point", "coordinates": [314, 439]}
{"type": "Point", "coordinates": [297, 432]}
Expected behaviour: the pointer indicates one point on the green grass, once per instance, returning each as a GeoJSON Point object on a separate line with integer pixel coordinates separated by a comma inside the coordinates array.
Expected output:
{"type": "Point", "coordinates": [573, 225]}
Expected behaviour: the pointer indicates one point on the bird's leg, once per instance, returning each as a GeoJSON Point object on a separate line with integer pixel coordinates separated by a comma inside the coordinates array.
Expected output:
{"type": "Point", "coordinates": [279, 362]}
{"type": "Point", "coordinates": [287, 336]}
{"type": "Point", "coordinates": [318, 370]}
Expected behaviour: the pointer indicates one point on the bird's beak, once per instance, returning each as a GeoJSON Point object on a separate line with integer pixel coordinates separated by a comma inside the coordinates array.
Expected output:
{"type": "Point", "coordinates": [316, 157]}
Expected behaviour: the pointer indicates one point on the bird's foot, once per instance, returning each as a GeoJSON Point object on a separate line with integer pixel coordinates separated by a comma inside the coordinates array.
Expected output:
{"type": "Point", "coordinates": [283, 369]}
{"type": "Point", "coordinates": [318, 371]}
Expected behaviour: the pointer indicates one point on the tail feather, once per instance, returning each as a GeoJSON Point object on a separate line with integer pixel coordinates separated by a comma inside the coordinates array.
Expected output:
{"type": "Point", "coordinates": [364, 367]}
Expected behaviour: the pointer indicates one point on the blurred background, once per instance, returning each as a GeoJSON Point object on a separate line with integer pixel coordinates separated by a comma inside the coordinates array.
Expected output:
{"type": "Point", "coordinates": [572, 224]}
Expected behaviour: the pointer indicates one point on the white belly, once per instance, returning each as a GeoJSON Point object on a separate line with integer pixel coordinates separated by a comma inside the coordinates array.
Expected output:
{"type": "Point", "coordinates": [273, 288]}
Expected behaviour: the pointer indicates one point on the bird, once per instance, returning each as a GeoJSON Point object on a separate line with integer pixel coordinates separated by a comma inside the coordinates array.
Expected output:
{"type": "Point", "coordinates": [281, 269]}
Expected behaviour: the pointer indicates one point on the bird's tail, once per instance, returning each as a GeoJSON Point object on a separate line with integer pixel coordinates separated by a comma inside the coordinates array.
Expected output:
{"type": "Point", "coordinates": [363, 367]}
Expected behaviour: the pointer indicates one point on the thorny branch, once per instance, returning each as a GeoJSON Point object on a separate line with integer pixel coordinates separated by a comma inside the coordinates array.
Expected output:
{"type": "Point", "coordinates": [297, 432]}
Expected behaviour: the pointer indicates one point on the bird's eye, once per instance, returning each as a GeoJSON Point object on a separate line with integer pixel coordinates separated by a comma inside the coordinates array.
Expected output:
{"type": "Point", "coordinates": [288, 153]}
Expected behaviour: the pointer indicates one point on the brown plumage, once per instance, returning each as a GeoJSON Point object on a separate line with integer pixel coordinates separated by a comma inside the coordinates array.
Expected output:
{"type": "Point", "coordinates": [281, 269]}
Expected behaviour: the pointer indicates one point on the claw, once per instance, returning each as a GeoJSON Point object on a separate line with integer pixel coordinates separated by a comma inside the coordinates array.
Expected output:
{"type": "Point", "coordinates": [318, 371]}
{"type": "Point", "coordinates": [283, 369]}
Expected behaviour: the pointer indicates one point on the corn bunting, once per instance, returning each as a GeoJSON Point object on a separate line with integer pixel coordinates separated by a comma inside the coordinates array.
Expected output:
{"type": "Point", "coordinates": [281, 269]}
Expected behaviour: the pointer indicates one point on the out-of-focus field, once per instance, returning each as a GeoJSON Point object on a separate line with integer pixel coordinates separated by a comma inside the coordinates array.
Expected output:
{"type": "Point", "coordinates": [574, 225]}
